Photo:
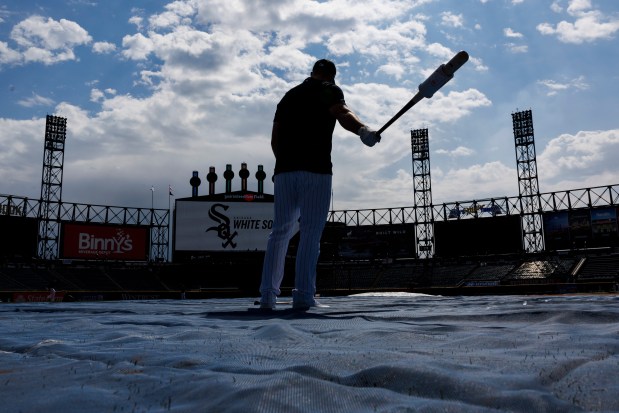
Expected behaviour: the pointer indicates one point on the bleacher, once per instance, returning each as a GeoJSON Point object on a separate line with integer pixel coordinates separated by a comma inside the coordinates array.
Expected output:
{"type": "Point", "coordinates": [451, 275]}
{"type": "Point", "coordinates": [600, 268]}
{"type": "Point", "coordinates": [135, 279]}
{"type": "Point", "coordinates": [8, 282]}
{"type": "Point", "coordinates": [25, 276]}
{"type": "Point", "coordinates": [400, 276]}
{"type": "Point", "coordinates": [488, 272]}
{"type": "Point", "coordinates": [448, 276]}
{"type": "Point", "coordinates": [91, 278]}
{"type": "Point", "coordinates": [541, 270]}
{"type": "Point", "coordinates": [352, 276]}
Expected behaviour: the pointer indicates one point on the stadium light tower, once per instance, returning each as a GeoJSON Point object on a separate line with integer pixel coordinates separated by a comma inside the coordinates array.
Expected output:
{"type": "Point", "coordinates": [51, 186]}
{"type": "Point", "coordinates": [528, 186]}
{"type": "Point", "coordinates": [422, 192]}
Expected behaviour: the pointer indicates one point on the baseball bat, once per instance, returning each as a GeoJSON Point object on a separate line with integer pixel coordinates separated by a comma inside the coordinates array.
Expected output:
{"type": "Point", "coordinates": [433, 83]}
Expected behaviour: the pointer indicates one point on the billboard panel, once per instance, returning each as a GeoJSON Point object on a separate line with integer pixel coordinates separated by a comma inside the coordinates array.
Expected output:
{"type": "Point", "coordinates": [222, 225]}
{"type": "Point", "coordinates": [368, 241]}
{"type": "Point", "coordinates": [581, 228]}
{"type": "Point", "coordinates": [604, 227]}
{"type": "Point", "coordinates": [105, 242]}
{"type": "Point", "coordinates": [482, 236]}
{"type": "Point", "coordinates": [18, 236]}
{"type": "Point", "coordinates": [557, 230]}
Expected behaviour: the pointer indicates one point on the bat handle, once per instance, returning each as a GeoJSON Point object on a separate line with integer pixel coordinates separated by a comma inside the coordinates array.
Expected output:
{"type": "Point", "coordinates": [402, 111]}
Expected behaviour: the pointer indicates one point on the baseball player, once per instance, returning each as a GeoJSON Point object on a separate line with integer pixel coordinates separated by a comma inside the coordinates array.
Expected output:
{"type": "Point", "coordinates": [301, 142]}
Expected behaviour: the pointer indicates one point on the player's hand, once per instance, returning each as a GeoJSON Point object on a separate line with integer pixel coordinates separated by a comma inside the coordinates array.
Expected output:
{"type": "Point", "coordinates": [368, 136]}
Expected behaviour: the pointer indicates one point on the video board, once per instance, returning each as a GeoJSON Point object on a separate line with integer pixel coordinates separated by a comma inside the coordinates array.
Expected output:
{"type": "Point", "coordinates": [220, 225]}
{"type": "Point", "coordinates": [581, 228]}
{"type": "Point", "coordinates": [481, 236]}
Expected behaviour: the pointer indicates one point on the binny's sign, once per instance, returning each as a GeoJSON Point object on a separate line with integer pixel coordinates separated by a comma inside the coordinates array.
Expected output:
{"type": "Point", "coordinates": [105, 242]}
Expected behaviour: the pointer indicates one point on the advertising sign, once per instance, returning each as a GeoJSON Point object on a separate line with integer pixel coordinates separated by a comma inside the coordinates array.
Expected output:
{"type": "Point", "coordinates": [18, 236]}
{"type": "Point", "coordinates": [222, 225]}
{"type": "Point", "coordinates": [557, 230]}
{"type": "Point", "coordinates": [105, 242]}
{"type": "Point", "coordinates": [482, 236]}
{"type": "Point", "coordinates": [604, 226]}
{"type": "Point", "coordinates": [581, 228]}
{"type": "Point", "coordinates": [369, 241]}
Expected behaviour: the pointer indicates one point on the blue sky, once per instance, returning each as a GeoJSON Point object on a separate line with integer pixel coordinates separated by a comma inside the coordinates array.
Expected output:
{"type": "Point", "coordinates": [153, 90]}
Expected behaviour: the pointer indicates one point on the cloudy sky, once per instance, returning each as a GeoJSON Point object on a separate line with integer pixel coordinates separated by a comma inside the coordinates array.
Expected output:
{"type": "Point", "coordinates": [155, 89]}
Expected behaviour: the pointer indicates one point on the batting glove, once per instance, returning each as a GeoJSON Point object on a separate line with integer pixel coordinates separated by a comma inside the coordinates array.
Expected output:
{"type": "Point", "coordinates": [368, 136]}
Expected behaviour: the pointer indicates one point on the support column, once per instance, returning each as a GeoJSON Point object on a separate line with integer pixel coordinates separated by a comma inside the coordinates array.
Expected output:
{"type": "Point", "coordinates": [51, 187]}
{"type": "Point", "coordinates": [528, 185]}
{"type": "Point", "coordinates": [422, 190]}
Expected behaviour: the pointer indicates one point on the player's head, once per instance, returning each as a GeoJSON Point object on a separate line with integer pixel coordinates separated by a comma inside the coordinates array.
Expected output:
{"type": "Point", "coordinates": [324, 68]}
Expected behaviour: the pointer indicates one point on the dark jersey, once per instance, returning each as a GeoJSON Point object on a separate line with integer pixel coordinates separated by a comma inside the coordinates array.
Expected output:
{"type": "Point", "coordinates": [306, 127]}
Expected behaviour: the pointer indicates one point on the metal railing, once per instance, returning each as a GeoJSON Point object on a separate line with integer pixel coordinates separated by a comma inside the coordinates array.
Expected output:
{"type": "Point", "coordinates": [550, 201]}
{"type": "Point", "coordinates": [157, 219]}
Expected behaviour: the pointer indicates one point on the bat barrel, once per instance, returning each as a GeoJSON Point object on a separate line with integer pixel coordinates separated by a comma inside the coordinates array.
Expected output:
{"type": "Point", "coordinates": [437, 80]}
{"type": "Point", "coordinates": [456, 63]}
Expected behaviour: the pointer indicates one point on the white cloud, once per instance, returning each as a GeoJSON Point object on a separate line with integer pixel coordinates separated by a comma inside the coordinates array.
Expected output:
{"type": "Point", "coordinates": [492, 179]}
{"type": "Point", "coordinates": [9, 56]}
{"type": "Point", "coordinates": [392, 69]}
{"type": "Point", "coordinates": [36, 31]}
{"type": "Point", "coordinates": [460, 151]}
{"type": "Point", "coordinates": [453, 106]}
{"type": "Point", "coordinates": [577, 7]}
{"type": "Point", "coordinates": [517, 48]}
{"type": "Point", "coordinates": [103, 47]}
{"type": "Point", "coordinates": [35, 100]}
{"type": "Point", "coordinates": [137, 46]}
{"type": "Point", "coordinates": [583, 157]}
{"type": "Point", "coordinates": [452, 20]}
{"type": "Point", "coordinates": [137, 21]}
{"type": "Point", "coordinates": [438, 50]}
{"type": "Point", "coordinates": [20, 140]}
{"type": "Point", "coordinates": [164, 20]}
{"type": "Point", "coordinates": [509, 32]}
{"type": "Point", "coordinates": [555, 87]}
{"type": "Point", "coordinates": [588, 26]}
{"type": "Point", "coordinates": [96, 95]}
{"type": "Point", "coordinates": [48, 41]}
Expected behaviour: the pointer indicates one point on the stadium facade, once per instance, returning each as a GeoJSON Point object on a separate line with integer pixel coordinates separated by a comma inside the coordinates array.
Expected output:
{"type": "Point", "coordinates": [212, 245]}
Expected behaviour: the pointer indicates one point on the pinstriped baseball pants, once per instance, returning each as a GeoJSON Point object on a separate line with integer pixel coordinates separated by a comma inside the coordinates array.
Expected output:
{"type": "Point", "coordinates": [304, 197]}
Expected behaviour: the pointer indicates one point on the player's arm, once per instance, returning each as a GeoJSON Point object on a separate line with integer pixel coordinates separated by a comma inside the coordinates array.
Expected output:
{"type": "Point", "coordinates": [346, 117]}
{"type": "Point", "coordinates": [351, 122]}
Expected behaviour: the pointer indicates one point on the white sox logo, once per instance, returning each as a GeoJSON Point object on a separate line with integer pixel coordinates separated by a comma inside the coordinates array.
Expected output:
{"type": "Point", "coordinates": [223, 229]}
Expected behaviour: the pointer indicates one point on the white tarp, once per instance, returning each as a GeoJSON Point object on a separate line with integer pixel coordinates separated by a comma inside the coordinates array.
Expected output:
{"type": "Point", "coordinates": [362, 354]}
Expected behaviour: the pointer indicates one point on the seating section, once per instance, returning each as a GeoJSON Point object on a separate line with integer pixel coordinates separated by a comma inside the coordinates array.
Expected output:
{"type": "Point", "coordinates": [605, 267]}
{"type": "Point", "coordinates": [451, 275]}
{"type": "Point", "coordinates": [549, 269]}
{"type": "Point", "coordinates": [377, 275]}
{"type": "Point", "coordinates": [490, 272]}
